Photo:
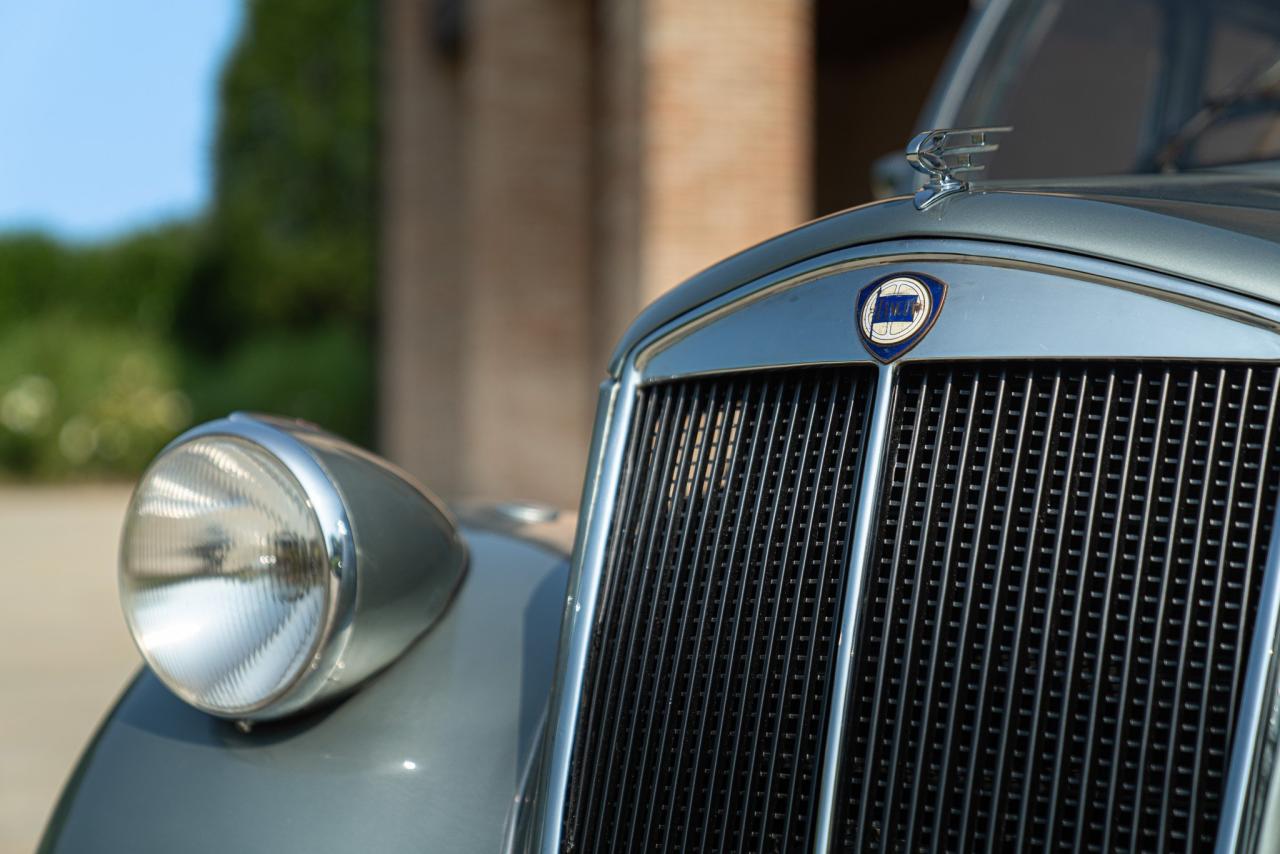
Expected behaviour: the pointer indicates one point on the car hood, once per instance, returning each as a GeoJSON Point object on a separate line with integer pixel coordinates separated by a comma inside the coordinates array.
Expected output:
{"type": "Point", "coordinates": [1216, 228]}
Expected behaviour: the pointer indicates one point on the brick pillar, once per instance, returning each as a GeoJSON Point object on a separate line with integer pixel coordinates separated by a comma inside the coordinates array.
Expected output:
{"type": "Point", "coordinates": [728, 130]}
{"type": "Point", "coordinates": [582, 157]}
{"type": "Point", "coordinates": [529, 377]}
{"type": "Point", "coordinates": [708, 137]}
{"type": "Point", "coordinates": [420, 298]}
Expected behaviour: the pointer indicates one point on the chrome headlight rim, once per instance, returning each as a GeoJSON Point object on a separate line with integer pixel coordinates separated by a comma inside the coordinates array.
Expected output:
{"type": "Point", "coordinates": [327, 505]}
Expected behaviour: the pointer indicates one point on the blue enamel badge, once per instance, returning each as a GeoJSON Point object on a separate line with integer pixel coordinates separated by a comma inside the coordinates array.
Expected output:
{"type": "Point", "coordinates": [895, 312]}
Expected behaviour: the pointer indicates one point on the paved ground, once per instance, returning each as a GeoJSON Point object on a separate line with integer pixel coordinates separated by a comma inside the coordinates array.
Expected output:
{"type": "Point", "coordinates": [64, 651]}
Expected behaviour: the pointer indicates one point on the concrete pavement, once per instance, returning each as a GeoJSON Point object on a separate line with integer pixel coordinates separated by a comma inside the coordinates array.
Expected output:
{"type": "Point", "coordinates": [64, 651]}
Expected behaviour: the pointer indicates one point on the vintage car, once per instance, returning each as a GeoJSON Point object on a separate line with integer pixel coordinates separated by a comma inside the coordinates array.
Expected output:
{"type": "Point", "coordinates": [945, 522]}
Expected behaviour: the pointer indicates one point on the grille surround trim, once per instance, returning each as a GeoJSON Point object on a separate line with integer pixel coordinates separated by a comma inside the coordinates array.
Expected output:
{"type": "Point", "coordinates": [1256, 320]}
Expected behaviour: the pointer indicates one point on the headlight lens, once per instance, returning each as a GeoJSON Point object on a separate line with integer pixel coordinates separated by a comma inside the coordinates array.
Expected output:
{"type": "Point", "coordinates": [224, 574]}
{"type": "Point", "coordinates": [254, 589]}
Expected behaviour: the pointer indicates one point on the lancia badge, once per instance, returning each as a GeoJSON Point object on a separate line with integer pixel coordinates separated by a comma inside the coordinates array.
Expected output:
{"type": "Point", "coordinates": [895, 312]}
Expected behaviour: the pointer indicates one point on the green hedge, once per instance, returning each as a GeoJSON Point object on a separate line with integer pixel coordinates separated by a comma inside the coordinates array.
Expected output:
{"type": "Point", "coordinates": [80, 397]}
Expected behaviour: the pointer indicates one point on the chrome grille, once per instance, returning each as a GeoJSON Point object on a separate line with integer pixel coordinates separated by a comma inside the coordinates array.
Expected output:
{"type": "Point", "coordinates": [1050, 647]}
{"type": "Point", "coordinates": [706, 694]}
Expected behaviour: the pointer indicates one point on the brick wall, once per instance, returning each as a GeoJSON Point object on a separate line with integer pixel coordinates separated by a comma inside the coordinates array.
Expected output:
{"type": "Point", "coordinates": [575, 160]}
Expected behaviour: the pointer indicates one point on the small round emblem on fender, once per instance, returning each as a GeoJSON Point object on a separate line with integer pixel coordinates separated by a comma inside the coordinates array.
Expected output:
{"type": "Point", "coordinates": [896, 311]}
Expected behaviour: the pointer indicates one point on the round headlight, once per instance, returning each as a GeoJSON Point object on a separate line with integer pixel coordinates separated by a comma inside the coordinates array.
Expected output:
{"type": "Point", "coordinates": [238, 566]}
{"type": "Point", "coordinates": [224, 574]}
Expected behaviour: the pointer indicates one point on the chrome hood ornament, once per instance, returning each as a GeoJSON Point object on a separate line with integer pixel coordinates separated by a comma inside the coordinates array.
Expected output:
{"type": "Point", "coordinates": [945, 153]}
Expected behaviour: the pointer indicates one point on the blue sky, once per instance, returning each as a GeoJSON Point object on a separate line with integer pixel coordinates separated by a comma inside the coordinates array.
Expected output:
{"type": "Point", "coordinates": [107, 111]}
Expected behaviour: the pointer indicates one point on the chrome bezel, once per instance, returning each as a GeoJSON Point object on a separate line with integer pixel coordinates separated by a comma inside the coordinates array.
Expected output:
{"type": "Point", "coordinates": [326, 503]}
{"type": "Point", "coordinates": [1253, 760]}
{"type": "Point", "coordinates": [1237, 327]}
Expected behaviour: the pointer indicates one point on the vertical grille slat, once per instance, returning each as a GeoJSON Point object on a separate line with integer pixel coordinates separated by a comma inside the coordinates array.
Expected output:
{"type": "Point", "coordinates": [901, 703]}
{"type": "Point", "coordinates": [1173, 758]}
{"type": "Point", "coordinates": [1032, 781]}
{"type": "Point", "coordinates": [1162, 598]}
{"type": "Point", "coordinates": [1077, 681]}
{"type": "Point", "coordinates": [754, 487]}
{"type": "Point", "coordinates": [722, 427]}
{"type": "Point", "coordinates": [707, 687]}
{"type": "Point", "coordinates": [1113, 794]}
{"type": "Point", "coordinates": [1219, 567]}
{"type": "Point", "coordinates": [878, 714]}
{"type": "Point", "coordinates": [807, 509]}
{"type": "Point", "coordinates": [664, 435]}
{"type": "Point", "coordinates": [967, 615]}
{"type": "Point", "coordinates": [1113, 551]}
{"type": "Point", "coordinates": [828, 563]}
{"type": "Point", "coordinates": [1265, 482]}
{"type": "Point", "coordinates": [702, 428]}
{"type": "Point", "coordinates": [725, 571]}
{"type": "Point", "coordinates": [1001, 755]}
{"type": "Point", "coordinates": [752, 699]}
{"type": "Point", "coordinates": [1064, 574]}
{"type": "Point", "coordinates": [655, 567]}
{"type": "Point", "coordinates": [738, 687]}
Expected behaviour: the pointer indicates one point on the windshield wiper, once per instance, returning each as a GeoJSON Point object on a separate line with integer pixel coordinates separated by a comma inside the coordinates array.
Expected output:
{"type": "Point", "coordinates": [1261, 84]}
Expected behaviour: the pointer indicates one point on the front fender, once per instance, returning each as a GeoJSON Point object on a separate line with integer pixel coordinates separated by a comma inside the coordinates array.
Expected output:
{"type": "Point", "coordinates": [427, 756]}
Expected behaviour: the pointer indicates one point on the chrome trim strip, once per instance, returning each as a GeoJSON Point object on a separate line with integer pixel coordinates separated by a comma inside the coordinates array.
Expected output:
{"type": "Point", "coordinates": [855, 566]}
{"type": "Point", "coordinates": [521, 799]}
{"type": "Point", "coordinates": [613, 421]}
{"type": "Point", "coordinates": [829, 342]}
{"type": "Point", "coordinates": [1247, 780]}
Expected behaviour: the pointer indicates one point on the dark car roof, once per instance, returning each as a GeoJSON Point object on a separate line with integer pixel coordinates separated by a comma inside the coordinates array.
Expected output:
{"type": "Point", "coordinates": [1219, 228]}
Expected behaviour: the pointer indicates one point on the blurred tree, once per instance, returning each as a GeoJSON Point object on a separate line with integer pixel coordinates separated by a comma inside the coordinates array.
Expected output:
{"type": "Point", "coordinates": [290, 239]}
{"type": "Point", "coordinates": [265, 303]}
{"type": "Point", "coordinates": [81, 397]}
{"type": "Point", "coordinates": [89, 362]}
{"type": "Point", "coordinates": [137, 280]}
{"type": "Point", "coordinates": [289, 245]}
